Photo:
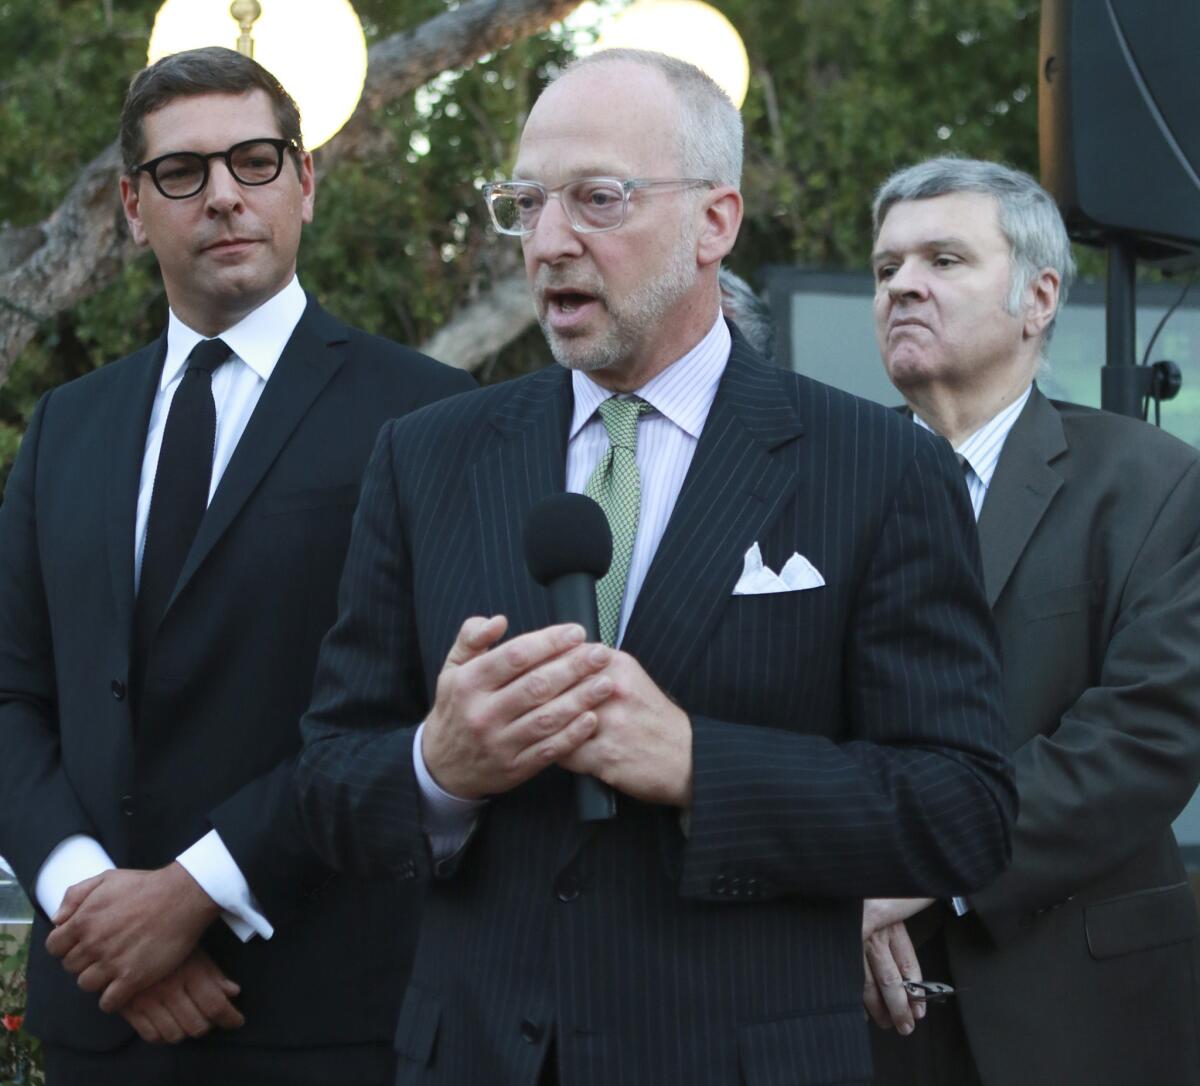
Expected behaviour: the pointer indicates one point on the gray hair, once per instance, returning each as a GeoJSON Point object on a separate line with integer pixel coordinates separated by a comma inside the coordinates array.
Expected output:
{"type": "Point", "coordinates": [710, 126]}
{"type": "Point", "coordinates": [748, 311]}
{"type": "Point", "coordinates": [1029, 218]}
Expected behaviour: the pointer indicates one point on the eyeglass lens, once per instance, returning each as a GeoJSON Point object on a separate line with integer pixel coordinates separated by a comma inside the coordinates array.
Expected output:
{"type": "Point", "coordinates": [590, 204]}
{"type": "Point", "coordinates": [255, 162]}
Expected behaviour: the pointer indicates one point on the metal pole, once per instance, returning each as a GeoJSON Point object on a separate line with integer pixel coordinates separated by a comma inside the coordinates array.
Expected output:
{"type": "Point", "coordinates": [1122, 383]}
{"type": "Point", "coordinates": [245, 12]}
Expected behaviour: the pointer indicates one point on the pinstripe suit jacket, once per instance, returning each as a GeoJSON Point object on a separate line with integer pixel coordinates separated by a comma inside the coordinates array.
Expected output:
{"type": "Point", "coordinates": [844, 741]}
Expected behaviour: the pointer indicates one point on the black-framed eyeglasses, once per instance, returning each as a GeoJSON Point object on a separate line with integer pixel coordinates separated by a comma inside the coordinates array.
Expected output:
{"type": "Point", "coordinates": [592, 204]}
{"type": "Point", "coordinates": [181, 174]}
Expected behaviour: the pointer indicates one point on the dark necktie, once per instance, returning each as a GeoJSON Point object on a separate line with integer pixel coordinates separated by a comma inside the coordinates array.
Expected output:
{"type": "Point", "coordinates": [180, 493]}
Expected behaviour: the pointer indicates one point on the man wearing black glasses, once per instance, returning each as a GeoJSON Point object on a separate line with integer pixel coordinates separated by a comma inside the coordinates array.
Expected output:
{"type": "Point", "coordinates": [172, 535]}
{"type": "Point", "coordinates": [796, 701]}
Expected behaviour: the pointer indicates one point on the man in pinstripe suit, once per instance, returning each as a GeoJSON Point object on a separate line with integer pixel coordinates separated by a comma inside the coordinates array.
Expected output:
{"type": "Point", "coordinates": [779, 748]}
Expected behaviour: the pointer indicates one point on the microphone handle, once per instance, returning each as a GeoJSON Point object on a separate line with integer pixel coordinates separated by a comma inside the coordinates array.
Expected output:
{"type": "Point", "coordinates": [573, 599]}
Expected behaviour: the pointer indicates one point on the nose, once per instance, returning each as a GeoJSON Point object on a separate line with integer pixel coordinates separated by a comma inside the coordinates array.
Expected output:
{"type": "Point", "coordinates": [223, 193]}
{"type": "Point", "coordinates": [906, 282]}
{"type": "Point", "coordinates": [553, 239]}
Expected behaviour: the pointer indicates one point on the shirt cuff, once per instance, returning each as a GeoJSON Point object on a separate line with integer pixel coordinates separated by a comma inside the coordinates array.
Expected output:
{"type": "Point", "coordinates": [210, 863]}
{"type": "Point", "coordinates": [447, 819]}
{"type": "Point", "coordinates": [960, 906]}
{"type": "Point", "coordinates": [72, 860]}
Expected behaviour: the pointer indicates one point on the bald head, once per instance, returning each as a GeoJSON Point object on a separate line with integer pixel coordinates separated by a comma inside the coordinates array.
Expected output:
{"type": "Point", "coordinates": [706, 127]}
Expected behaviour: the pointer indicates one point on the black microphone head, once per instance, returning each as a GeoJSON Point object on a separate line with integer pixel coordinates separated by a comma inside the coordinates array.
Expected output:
{"type": "Point", "coordinates": [567, 533]}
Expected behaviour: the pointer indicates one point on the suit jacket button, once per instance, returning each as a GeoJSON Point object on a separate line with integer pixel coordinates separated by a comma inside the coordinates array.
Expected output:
{"type": "Point", "coordinates": [127, 805]}
{"type": "Point", "coordinates": [720, 885]}
{"type": "Point", "coordinates": [566, 888]}
{"type": "Point", "coordinates": [118, 689]}
{"type": "Point", "coordinates": [531, 1032]}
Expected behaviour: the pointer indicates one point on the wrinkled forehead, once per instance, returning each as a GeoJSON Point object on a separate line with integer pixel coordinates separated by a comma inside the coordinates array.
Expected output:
{"type": "Point", "coordinates": [618, 119]}
{"type": "Point", "coordinates": [971, 217]}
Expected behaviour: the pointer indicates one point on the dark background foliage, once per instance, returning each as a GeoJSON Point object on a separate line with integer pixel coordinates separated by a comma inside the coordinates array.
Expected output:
{"type": "Point", "coordinates": [841, 92]}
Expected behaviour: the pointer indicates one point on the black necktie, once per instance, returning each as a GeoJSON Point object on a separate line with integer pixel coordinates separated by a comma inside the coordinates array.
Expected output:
{"type": "Point", "coordinates": [180, 493]}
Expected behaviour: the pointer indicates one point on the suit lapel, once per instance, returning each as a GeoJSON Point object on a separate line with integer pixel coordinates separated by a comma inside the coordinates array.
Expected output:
{"type": "Point", "coordinates": [524, 463]}
{"type": "Point", "coordinates": [129, 418]}
{"type": "Point", "coordinates": [739, 479]}
{"type": "Point", "coordinates": [312, 356]}
{"type": "Point", "coordinates": [1021, 490]}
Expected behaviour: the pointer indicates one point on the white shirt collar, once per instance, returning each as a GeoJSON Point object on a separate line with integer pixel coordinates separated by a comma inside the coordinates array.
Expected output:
{"type": "Point", "coordinates": [981, 450]}
{"type": "Point", "coordinates": [258, 339]}
{"type": "Point", "coordinates": [683, 392]}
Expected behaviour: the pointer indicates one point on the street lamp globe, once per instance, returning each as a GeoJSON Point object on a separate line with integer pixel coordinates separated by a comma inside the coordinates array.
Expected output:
{"type": "Point", "coordinates": [689, 30]}
{"type": "Point", "coordinates": [315, 48]}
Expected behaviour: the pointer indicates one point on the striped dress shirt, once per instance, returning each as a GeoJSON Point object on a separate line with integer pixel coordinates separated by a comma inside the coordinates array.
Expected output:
{"type": "Point", "coordinates": [982, 449]}
{"type": "Point", "coordinates": [681, 396]}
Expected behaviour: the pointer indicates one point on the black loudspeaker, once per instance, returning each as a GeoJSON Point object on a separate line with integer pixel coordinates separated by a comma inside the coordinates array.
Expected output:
{"type": "Point", "coordinates": [1119, 122]}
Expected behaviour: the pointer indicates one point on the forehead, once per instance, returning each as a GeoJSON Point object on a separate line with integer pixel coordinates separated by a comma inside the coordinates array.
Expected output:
{"type": "Point", "coordinates": [972, 216]}
{"type": "Point", "coordinates": [208, 122]}
{"type": "Point", "coordinates": [617, 119]}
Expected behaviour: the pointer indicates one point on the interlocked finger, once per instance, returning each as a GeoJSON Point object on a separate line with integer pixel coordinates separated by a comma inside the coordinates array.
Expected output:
{"type": "Point", "coordinates": [534, 702]}
{"type": "Point", "coordinates": [497, 669]}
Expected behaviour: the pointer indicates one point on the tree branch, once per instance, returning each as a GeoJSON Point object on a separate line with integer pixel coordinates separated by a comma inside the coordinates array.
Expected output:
{"type": "Point", "coordinates": [83, 245]}
{"type": "Point", "coordinates": [484, 326]}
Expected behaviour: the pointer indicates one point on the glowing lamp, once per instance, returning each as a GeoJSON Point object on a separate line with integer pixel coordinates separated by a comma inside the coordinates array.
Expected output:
{"type": "Point", "coordinates": [315, 48]}
{"type": "Point", "coordinates": [687, 29]}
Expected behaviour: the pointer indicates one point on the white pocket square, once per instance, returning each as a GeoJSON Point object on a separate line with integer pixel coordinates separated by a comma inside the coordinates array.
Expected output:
{"type": "Point", "coordinates": [758, 580]}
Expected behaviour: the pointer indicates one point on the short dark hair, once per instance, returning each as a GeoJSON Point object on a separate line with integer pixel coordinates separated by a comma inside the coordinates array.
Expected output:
{"type": "Point", "coordinates": [213, 70]}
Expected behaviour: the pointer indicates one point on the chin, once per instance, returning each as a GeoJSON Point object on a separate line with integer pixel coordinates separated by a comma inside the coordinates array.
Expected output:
{"type": "Point", "coordinates": [586, 354]}
{"type": "Point", "coordinates": [908, 369]}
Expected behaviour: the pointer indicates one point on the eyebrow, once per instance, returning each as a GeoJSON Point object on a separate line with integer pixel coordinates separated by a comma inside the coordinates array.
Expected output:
{"type": "Point", "coordinates": [951, 241]}
{"type": "Point", "coordinates": [586, 171]}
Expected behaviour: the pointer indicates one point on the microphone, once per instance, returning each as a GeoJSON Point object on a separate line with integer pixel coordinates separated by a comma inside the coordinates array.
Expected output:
{"type": "Point", "coordinates": [568, 548]}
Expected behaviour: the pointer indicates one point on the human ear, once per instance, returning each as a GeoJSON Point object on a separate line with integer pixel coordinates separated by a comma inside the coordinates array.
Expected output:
{"type": "Point", "coordinates": [131, 205]}
{"type": "Point", "coordinates": [722, 210]}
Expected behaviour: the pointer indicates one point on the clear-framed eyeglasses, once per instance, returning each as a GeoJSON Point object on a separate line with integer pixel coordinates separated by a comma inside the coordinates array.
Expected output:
{"type": "Point", "coordinates": [181, 174]}
{"type": "Point", "coordinates": [592, 204]}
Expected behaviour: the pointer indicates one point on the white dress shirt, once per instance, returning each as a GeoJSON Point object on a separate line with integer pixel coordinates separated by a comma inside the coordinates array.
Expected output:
{"type": "Point", "coordinates": [982, 449]}
{"type": "Point", "coordinates": [256, 341]}
{"type": "Point", "coordinates": [980, 453]}
{"type": "Point", "coordinates": [681, 396]}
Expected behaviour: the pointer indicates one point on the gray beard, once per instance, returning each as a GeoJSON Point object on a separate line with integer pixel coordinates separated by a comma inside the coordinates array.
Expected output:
{"type": "Point", "coordinates": [630, 322]}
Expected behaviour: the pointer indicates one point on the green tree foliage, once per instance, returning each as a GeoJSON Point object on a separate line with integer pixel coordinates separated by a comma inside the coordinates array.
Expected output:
{"type": "Point", "coordinates": [842, 91]}
{"type": "Point", "coordinates": [845, 91]}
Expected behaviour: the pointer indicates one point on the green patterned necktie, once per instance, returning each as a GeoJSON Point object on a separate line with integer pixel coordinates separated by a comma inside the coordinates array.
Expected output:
{"type": "Point", "coordinates": [616, 486]}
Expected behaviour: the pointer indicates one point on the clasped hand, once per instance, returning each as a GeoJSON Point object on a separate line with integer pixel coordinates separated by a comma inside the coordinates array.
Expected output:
{"type": "Point", "coordinates": [131, 936]}
{"type": "Point", "coordinates": [503, 713]}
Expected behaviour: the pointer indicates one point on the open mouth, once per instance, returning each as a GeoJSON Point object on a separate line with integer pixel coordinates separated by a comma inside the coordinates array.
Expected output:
{"type": "Point", "coordinates": [566, 307]}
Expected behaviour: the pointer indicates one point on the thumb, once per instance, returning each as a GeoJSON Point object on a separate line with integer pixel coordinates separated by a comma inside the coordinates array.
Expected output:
{"type": "Point", "coordinates": [475, 637]}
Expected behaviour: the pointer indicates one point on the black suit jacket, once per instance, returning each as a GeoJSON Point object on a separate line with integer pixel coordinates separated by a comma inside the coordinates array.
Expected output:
{"type": "Point", "coordinates": [228, 678]}
{"type": "Point", "coordinates": [843, 740]}
{"type": "Point", "coordinates": [1081, 962]}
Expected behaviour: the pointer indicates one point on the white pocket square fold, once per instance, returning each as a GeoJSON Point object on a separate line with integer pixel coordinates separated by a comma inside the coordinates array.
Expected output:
{"type": "Point", "coordinates": [797, 574]}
